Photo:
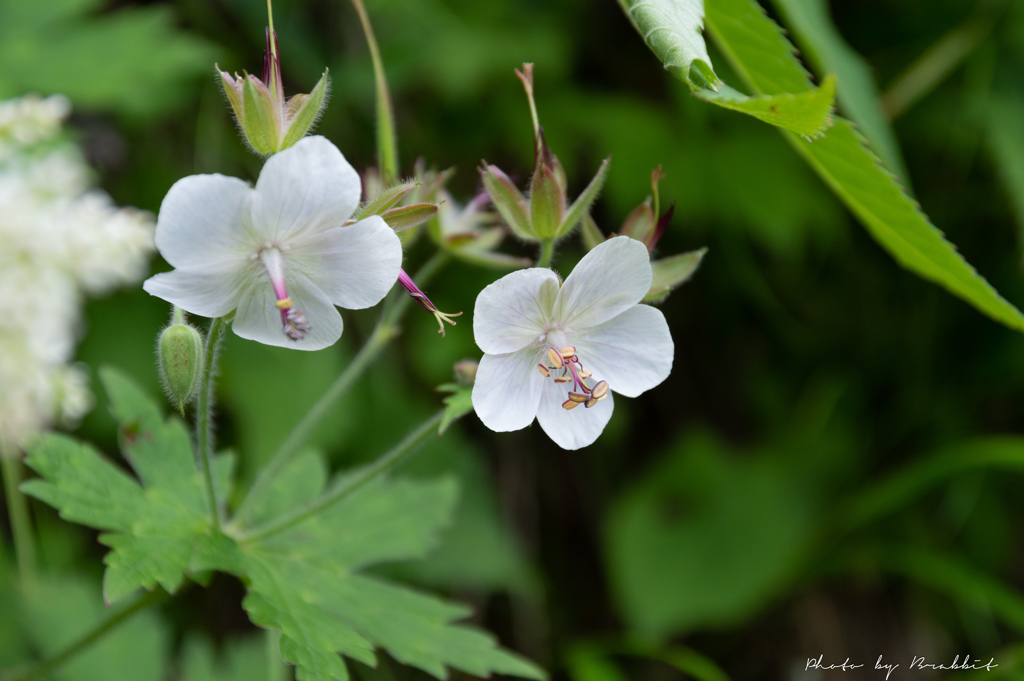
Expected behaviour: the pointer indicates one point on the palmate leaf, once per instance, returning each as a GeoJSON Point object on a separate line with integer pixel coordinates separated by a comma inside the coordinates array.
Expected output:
{"type": "Point", "coordinates": [765, 59]}
{"type": "Point", "coordinates": [672, 29]}
{"type": "Point", "coordinates": [301, 580]}
{"type": "Point", "coordinates": [153, 527]}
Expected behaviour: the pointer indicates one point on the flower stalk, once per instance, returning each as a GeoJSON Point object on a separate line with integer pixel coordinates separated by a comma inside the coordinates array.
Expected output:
{"type": "Point", "coordinates": [204, 415]}
{"type": "Point", "coordinates": [17, 512]}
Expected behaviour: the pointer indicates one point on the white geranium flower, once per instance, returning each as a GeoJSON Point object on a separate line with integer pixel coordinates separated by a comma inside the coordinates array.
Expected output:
{"type": "Point", "coordinates": [551, 348]}
{"type": "Point", "coordinates": [279, 254]}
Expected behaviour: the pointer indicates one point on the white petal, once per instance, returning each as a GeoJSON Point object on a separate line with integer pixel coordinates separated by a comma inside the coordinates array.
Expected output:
{"type": "Point", "coordinates": [571, 429]}
{"type": "Point", "coordinates": [204, 220]}
{"type": "Point", "coordinates": [507, 389]}
{"type": "Point", "coordinates": [355, 265]}
{"type": "Point", "coordinates": [515, 310]}
{"type": "Point", "coordinates": [259, 319]}
{"type": "Point", "coordinates": [633, 351]}
{"type": "Point", "coordinates": [610, 279]}
{"type": "Point", "coordinates": [304, 190]}
{"type": "Point", "coordinates": [202, 293]}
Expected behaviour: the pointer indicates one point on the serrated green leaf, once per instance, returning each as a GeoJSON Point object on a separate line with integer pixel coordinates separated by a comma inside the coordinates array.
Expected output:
{"type": "Point", "coordinates": [154, 527]}
{"type": "Point", "coordinates": [303, 582]}
{"type": "Point", "coordinates": [842, 158]}
{"type": "Point", "coordinates": [820, 41]}
{"type": "Point", "coordinates": [303, 480]}
{"type": "Point", "coordinates": [672, 29]}
{"type": "Point", "coordinates": [456, 405]}
{"type": "Point", "coordinates": [672, 271]}
{"type": "Point", "coordinates": [805, 113]}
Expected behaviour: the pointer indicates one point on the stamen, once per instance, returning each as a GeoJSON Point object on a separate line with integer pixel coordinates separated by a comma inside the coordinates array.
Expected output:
{"type": "Point", "coordinates": [420, 297]}
{"type": "Point", "coordinates": [574, 373]}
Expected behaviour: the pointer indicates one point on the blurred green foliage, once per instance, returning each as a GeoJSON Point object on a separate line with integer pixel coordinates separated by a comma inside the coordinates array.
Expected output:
{"type": "Point", "coordinates": [821, 473]}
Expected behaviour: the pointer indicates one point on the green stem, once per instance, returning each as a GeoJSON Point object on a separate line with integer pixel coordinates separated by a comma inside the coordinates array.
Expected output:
{"type": "Point", "coordinates": [387, 146]}
{"type": "Point", "coordinates": [17, 510]}
{"type": "Point", "coordinates": [349, 484]}
{"type": "Point", "coordinates": [177, 315]}
{"type": "Point", "coordinates": [394, 307]}
{"type": "Point", "coordinates": [204, 414]}
{"type": "Point", "coordinates": [44, 667]}
{"type": "Point", "coordinates": [547, 249]}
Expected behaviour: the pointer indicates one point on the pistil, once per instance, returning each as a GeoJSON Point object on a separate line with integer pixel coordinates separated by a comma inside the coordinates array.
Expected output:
{"type": "Point", "coordinates": [294, 323]}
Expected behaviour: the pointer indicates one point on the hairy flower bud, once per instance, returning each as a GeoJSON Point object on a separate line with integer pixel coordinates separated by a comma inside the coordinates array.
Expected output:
{"type": "Point", "coordinates": [180, 360]}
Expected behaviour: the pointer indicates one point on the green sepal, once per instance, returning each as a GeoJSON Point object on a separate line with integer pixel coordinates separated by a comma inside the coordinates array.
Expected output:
{"type": "Point", "coordinates": [672, 271]}
{"type": "Point", "coordinates": [232, 92]}
{"type": "Point", "coordinates": [259, 121]}
{"type": "Point", "coordinates": [509, 201]}
{"type": "Point", "coordinates": [591, 233]}
{"type": "Point", "coordinates": [386, 199]}
{"type": "Point", "coordinates": [304, 111]}
{"type": "Point", "coordinates": [581, 206]}
{"type": "Point", "coordinates": [404, 217]}
{"type": "Point", "coordinates": [547, 203]}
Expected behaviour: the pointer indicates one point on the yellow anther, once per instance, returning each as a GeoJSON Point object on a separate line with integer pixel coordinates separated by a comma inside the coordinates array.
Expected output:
{"type": "Point", "coordinates": [578, 398]}
{"type": "Point", "coordinates": [568, 352]}
{"type": "Point", "coordinates": [554, 358]}
{"type": "Point", "coordinates": [562, 379]}
{"type": "Point", "coordinates": [600, 391]}
{"type": "Point", "coordinates": [591, 402]}
{"type": "Point", "coordinates": [584, 375]}
{"type": "Point", "coordinates": [283, 304]}
{"type": "Point", "coordinates": [544, 371]}
{"type": "Point", "coordinates": [569, 404]}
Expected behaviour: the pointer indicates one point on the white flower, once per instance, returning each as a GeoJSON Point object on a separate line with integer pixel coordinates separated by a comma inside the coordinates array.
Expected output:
{"type": "Point", "coordinates": [278, 254]}
{"type": "Point", "coordinates": [550, 349]}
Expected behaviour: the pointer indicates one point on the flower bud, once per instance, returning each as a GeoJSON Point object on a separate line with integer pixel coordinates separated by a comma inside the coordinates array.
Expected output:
{"type": "Point", "coordinates": [180, 361]}
{"type": "Point", "coordinates": [465, 372]}
{"type": "Point", "coordinates": [269, 121]}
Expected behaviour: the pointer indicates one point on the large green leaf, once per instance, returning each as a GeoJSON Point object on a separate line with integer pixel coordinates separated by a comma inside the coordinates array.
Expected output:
{"type": "Point", "coordinates": [827, 52]}
{"type": "Point", "coordinates": [672, 29]}
{"type": "Point", "coordinates": [765, 59]}
{"type": "Point", "coordinates": [302, 581]}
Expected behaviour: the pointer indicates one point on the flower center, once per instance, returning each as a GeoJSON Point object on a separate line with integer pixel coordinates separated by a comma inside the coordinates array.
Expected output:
{"type": "Point", "coordinates": [565, 367]}
{"type": "Point", "coordinates": [293, 320]}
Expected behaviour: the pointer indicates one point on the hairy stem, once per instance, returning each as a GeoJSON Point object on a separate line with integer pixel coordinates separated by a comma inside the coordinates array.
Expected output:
{"type": "Point", "coordinates": [394, 307]}
{"type": "Point", "coordinates": [547, 249]}
{"type": "Point", "coordinates": [17, 512]}
{"type": "Point", "coordinates": [350, 484]}
{"type": "Point", "coordinates": [42, 668]}
{"type": "Point", "coordinates": [387, 145]}
{"type": "Point", "coordinates": [204, 414]}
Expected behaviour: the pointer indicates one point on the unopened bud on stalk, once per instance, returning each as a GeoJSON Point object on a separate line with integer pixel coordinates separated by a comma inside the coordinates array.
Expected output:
{"type": "Point", "coordinates": [180, 361]}
{"type": "Point", "coordinates": [465, 372]}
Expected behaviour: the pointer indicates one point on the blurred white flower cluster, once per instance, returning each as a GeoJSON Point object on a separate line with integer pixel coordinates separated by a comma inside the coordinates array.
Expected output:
{"type": "Point", "coordinates": [59, 240]}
